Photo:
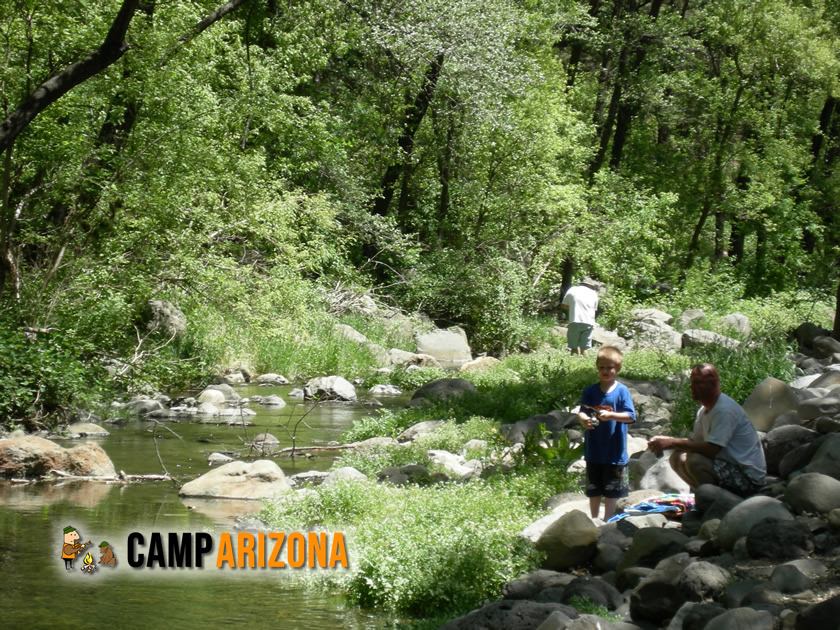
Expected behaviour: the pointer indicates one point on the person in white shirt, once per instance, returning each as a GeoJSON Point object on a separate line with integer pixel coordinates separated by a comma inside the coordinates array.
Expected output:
{"type": "Point", "coordinates": [724, 449]}
{"type": "Point", "coordinates": [581, 301]}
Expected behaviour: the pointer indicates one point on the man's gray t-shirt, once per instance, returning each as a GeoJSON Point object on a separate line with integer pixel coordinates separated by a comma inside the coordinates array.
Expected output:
{"type": "Point", "coordinates": [728, 426]}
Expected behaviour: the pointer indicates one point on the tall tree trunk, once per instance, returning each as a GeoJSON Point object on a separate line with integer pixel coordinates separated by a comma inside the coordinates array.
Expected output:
{"type": "Point", "coordinates": [567, 274]}
{"type": "Point", "coordinates": [694, 245]}
{"type": "Point", "coordinates": [720, 241]}
{"type": "Point", "coordinates": [413, 117]}
{"type": "Point", "coordinates": [836, 332]}
{"type": "Point", "coordinates": [737, 240]}
{"type": "Point", "coordinates": [445, 176]}
{"type": "Point", "coordinates": [819, 159]}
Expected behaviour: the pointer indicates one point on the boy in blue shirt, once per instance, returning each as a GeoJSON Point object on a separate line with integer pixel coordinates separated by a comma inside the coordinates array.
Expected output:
{"type": "Point", "coordinates": [606, 409]}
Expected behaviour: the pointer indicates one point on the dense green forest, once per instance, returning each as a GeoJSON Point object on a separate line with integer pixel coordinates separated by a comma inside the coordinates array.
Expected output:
{"type": "Point", "coordinates": [466, 159]}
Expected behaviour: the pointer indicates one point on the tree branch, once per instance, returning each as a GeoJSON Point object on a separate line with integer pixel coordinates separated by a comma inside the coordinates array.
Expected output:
{"type": "Point", "coordinates": [76, 73]}
{"type": "Point", "coordinates": [210, 19]}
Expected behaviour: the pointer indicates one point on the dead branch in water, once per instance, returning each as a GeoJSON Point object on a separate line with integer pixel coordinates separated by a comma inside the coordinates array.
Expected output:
{"type": "Point", "coordinates": [122, 477]}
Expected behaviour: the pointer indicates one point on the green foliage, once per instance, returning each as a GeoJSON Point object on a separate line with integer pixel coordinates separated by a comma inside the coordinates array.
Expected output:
{"type": "Point", "coordinates": [539, 448]}
{"type": "Point", "coordinates": [425, 551]}
{"type": "Point", "coordinates": [409, 379]}
{"type": "Point", "coordinates": [385, 423]}
{"type": "Point", "coordinates": [448, 437]}
{"type": "Point", "coordinates": [741, 370]}
{"type": "Point", "coordinates": [491, 310]}
{"type": "Point", "coordinates": [43, 377]}
{"type": "Point", "coordinates": [588, 607]}
{"type": "Point", "coordinates": [373, 460]}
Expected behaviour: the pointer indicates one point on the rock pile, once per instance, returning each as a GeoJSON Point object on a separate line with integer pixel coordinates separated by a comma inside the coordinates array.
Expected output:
{"type": "Point", "coordinates": [770, 561]}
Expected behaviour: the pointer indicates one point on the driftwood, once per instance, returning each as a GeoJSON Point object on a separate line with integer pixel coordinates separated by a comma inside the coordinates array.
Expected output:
{"type": "Point", "coordinates": [291, 450]}
{"type": "Point", "coordinates": [122, 477]}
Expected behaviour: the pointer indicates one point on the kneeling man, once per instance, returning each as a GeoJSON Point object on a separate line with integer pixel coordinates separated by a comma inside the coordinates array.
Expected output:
{"type": "Point", "coordinates": [724, 449]}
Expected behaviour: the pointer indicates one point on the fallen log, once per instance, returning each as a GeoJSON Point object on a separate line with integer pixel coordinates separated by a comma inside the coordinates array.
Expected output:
{"type": "Point", "coordinates": [289, 450]}
{"type": "Point", "coordinates": [122, 477]}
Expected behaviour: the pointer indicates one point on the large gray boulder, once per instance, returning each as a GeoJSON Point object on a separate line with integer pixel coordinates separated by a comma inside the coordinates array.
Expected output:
{"type": "Point", "coordinates": [348, 332]}
{"type": "Point", "coordinates": [421, 428]}
{"type": "Point", "coordinates": [827, 379]}
{"type": "Point", "coordinates": [823, 406]}
{"type": "Point", "coordinates": [775, 539]}
{"type": "Point", "coordinates": [271, 378]}
{"type": "Point", "coordinates": [743, 619]}
{"type": "Point", "coordinates": [163, 316]}
{"type": "Point", "coordinates": [826, 459]}
{"type": "Point", "coordinates": [657, 597]}
{"type": "Point", "coordinates": [444, 388]}
{"type": "Point", "coordinates": [343, 475]}
{"type": "Point", "coordinates": [697, 338]}
{"type": "Point", "coordinates": [29, 456]}
{"type": "Point", "coordinates": [569, 541]}
{"type": "Point", "coordinates": [781, 441]}
{"type": "Point", "coordinates": [662, 477]}
{"type": "Point", "coordinates": [691, 318]}
{"type": "Point", "coordinates": [737, 323]}
{"type": "Point", "coordinates": [262, 479]}
{"type": "Point", "coordinates": [740, 519]}
{"type": "Point", "coordinates": [594, 589]}
{"type": "Point", "coordinates": [144, 406]}
{"type": "Point", "coordinates": [449, 347]}
{"type": "Point", "coordinates": [813, 492]}
{"type": "Point", "coordinates": [768, 401]}
{"type": "Point", "coordinates": [404, 358]}
{"type": "Point", "coordinates": [556, 422]}
{"type": "Point", "coordinates": [329, 388]}
{"type": "Point", "coordinates": [826, 346]}
{"type": "Point", "coordinates": [703, 580]}
{"type": "Point", "coordinates": [650, 546]}
{"type": "Point", "coordinates": [86, 429]}
{"type": "Point", "coordinates": [651, 315]}
{"type": "Point", "coordinates": [507, 614]}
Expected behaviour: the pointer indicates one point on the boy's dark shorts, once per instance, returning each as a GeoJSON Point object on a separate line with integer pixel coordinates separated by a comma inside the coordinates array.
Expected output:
{"type": "Point", "coordinates": [606, 480]}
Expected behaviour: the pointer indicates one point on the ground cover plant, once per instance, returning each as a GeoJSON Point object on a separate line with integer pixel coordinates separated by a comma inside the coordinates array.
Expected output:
{"type": "Point", "coordinates": [424, 550]}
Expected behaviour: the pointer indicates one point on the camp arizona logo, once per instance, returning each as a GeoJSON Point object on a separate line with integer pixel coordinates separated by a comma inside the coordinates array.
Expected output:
{"type": "Point", "coordinates": [237, 550]}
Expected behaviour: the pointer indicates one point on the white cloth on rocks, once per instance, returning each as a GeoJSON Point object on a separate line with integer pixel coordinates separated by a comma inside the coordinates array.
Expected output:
{"type": "Point", "coordinates": [727, 425]}
{"type": "Point", "coordinates": [582, 302]}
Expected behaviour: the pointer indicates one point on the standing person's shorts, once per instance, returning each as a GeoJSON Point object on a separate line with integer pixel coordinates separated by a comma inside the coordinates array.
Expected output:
{"type": "Point", "coordinates": [579, 336]}
{"type": "Point", "coordinates": [606, 480]}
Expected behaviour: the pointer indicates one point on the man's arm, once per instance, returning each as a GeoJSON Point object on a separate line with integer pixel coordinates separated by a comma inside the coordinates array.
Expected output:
{"type": "Point", "coordinates": [663, 442]}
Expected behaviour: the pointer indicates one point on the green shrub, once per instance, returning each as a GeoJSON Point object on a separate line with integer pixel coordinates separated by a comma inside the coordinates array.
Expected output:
{"type": "Point", "coordinates": [446, 286]}
{"type": "Point", "coordinates": [588, 607]}
{"type": "Point", "coordinates": [371, 461]}
{"type": "Point", "coordinates": [425, 551]}
{"type": "Point", "coordinates": [408, 380]}
{"type": "Point", "coordinates": [740, 370]}
{"type": "Point", "coordinates": [43, 377]}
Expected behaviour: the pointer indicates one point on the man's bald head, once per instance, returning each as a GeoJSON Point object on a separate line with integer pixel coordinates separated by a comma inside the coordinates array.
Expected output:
{"type": "Point", "coordinates": [705, 384]}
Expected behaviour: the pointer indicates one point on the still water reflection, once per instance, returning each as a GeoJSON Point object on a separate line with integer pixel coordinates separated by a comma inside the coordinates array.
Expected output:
{"type": "Point", "coordinates": [38, 592]}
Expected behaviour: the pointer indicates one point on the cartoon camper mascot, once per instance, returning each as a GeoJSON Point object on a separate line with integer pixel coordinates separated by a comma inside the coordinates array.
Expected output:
{"type": "Point", "coordinates": [71, 547]}
{"type": "Point", "coordinates": [107, 558]}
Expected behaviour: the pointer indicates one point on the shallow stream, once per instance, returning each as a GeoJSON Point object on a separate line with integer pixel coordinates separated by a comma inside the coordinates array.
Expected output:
{"type": "Point", "coordinates": [39, 593]}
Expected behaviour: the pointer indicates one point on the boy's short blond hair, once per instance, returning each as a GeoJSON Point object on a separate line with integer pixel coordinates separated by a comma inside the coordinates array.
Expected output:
{"type": "Point", "coordinates": [611, 354]}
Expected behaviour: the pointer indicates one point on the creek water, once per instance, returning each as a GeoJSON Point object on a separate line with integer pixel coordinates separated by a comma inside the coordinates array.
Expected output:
{"type": "Point", "coordinates": [38, 592]}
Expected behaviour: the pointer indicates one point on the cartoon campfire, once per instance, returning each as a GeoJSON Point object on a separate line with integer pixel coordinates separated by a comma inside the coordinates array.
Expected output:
{"type": "Point", "coordinates": [89, 564]}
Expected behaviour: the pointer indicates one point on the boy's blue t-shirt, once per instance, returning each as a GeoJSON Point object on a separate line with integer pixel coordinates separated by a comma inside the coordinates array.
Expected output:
{"type": "Point", "coordinates": [607, 443]}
